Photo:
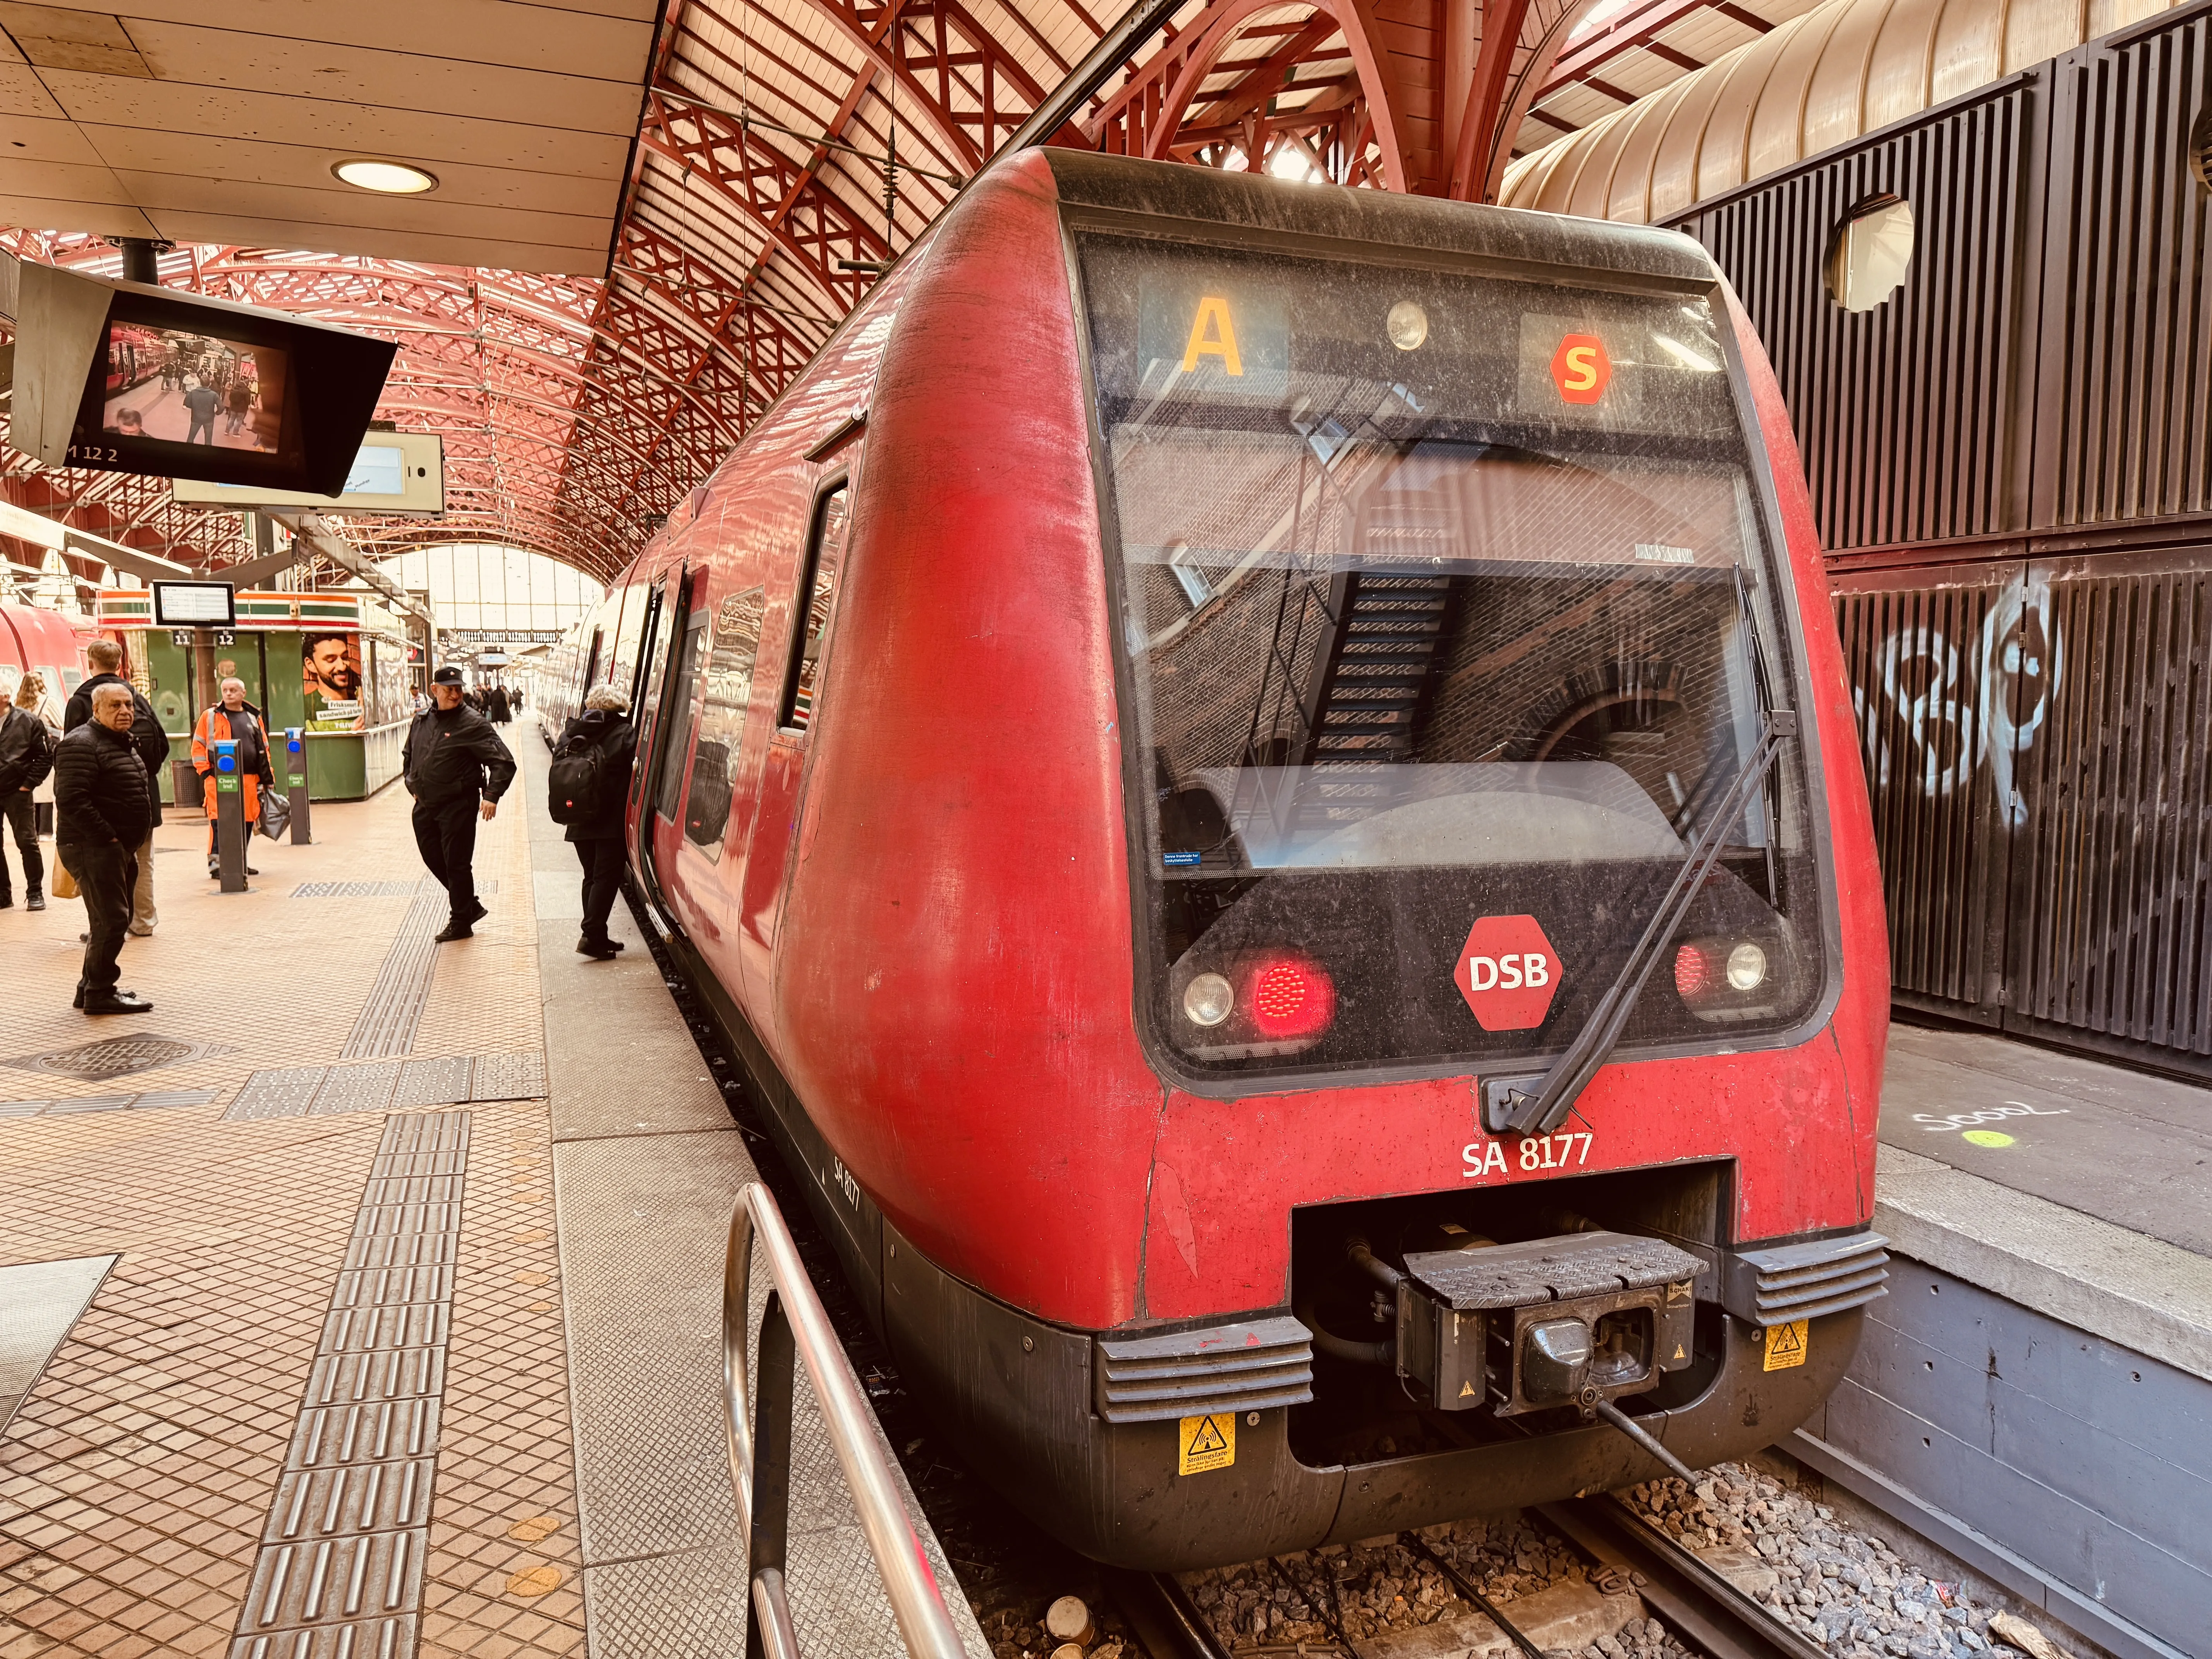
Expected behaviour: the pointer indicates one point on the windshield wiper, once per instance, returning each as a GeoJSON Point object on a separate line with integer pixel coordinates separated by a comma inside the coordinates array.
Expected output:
{"type": "Point", "coordinates": [1508, 1104]}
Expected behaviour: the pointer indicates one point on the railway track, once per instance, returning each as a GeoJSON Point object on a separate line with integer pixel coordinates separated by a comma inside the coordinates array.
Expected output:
{"type": "Point", "coordinates": [1697, 1606]}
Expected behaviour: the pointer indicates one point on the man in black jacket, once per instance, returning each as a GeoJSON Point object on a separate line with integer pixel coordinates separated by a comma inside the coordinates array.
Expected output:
{"type": "Point", "coordinates": [452, 758]}
{"type": "Point", "coordinates": [152, 743]}
{"type": "Point", "coordinates": [103, 812]}
{"type": "Point", "coordinates": [596, 826]}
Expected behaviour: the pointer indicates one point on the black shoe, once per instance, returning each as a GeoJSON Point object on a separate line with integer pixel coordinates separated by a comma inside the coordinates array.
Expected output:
{"type": "Point", "coordinates": [476, 911]}
{"type": "Point", "coordinates": [251, 871]}
{"type": "Point", "coordinates": [117, 1002]}
{"type": "Point", "coordinates": [598, 950]}
{"type": "Point", "coordinates": [454, 930]}
{"type": "Point", "coordinates": [35, 900]}
{"type": "Point", "coordinates": [7, 901]}
{"type": "Point", "coordinates": [78, 1001]}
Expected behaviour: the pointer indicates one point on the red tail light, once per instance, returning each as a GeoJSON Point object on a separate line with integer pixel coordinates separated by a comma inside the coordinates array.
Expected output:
{"type": "Point", "coordinates": [1693, 972]}
{"type": "Point", "coordinates": [1291, 999]}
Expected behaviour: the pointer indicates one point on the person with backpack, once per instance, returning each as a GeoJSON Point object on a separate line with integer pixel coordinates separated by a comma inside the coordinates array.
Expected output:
{"type": "Point", "coordinates": [587, 785]}
{"type": "Point", "coordinates": [26, 755]}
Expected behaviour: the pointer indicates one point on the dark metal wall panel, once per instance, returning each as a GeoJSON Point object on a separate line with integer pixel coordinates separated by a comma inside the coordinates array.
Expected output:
{"type": "Point", "coordinates": [1925, 650]}
{"type": "Point", "coordinates": [1904, 413]}
{"type": "Point", "coordinates": [2126, 362]}
{"type": "Point", "coordinates": [2070, 1451]}
{"type": "Point", "coordinates": [2111, 925]}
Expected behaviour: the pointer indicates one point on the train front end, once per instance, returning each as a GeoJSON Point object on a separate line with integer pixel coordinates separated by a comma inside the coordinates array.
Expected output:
{"type": "Point", "coordinates": [1503, 940]}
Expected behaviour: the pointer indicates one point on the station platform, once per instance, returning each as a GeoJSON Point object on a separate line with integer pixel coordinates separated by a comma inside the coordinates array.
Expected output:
{"type": "Point", "coordinates": [2035, 1394]}
{"type": "Point", "coordinates": [364, 1298]}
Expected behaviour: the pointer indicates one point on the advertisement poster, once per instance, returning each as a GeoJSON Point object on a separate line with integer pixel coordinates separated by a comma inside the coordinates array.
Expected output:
{"type": "Point", "coordinates": [331, 677]}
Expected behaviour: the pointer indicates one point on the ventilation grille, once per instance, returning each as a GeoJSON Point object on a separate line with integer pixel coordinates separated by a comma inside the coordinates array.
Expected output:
{"type": "Point", "coordinates": [1772, 1286]}
{"type": "Point", "coordinates": [1246, 1366]}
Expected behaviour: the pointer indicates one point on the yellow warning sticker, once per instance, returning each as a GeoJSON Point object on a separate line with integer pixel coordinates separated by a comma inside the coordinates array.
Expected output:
{"type": "Point", "coordinates": [1206, 1443]}
{"type": "Point", "coordinates": [1785, 1346]}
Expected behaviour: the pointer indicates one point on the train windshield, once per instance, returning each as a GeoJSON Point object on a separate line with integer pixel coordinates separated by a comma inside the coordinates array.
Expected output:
{"type": "Point", "coordinates": [1448, 615]}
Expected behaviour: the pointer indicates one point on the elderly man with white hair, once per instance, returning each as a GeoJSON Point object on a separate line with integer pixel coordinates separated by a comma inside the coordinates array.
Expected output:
{"type": "Point", "coordinates": [588, 788]}
{"type": "Point", "coordinates": [241, 721]}
{"type": "Point", "coordinates": [104, 808]}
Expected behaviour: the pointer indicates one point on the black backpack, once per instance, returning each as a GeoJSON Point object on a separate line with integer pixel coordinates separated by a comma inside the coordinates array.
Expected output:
{"type": "Point", "coordinates": [577, 780]}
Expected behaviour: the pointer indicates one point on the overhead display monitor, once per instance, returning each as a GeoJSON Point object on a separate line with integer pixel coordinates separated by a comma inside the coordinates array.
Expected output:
{"type": "Point", "coordinates": [392, 472]}
{"type": "Point", "coordinates": [126, 377]}
{"type": "Point", "coordinates": [195, 605]}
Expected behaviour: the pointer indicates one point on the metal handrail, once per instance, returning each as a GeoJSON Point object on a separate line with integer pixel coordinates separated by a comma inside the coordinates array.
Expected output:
{"type": "Point", "coordinates": [758, 1421]}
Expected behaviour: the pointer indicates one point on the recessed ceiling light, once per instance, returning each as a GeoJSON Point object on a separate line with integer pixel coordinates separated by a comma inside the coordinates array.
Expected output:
{"type": "Point", "coordinates": [387, 178]}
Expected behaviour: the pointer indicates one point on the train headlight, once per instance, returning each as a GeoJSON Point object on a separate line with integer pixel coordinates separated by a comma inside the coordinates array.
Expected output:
{"type": "Point", "coordinates": [1747, 967]}
{"type": "Point", "coordinates": [1407, 325]}
{"type": "Point", "coordinates": [1207, 999]}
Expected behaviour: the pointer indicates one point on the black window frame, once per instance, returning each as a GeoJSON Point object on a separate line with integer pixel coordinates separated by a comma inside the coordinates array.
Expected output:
{"type": "Point", "coordinates": [802, 607]}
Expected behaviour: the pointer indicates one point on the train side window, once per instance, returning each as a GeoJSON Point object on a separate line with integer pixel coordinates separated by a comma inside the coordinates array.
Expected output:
{"type": "Point", "coordinates": [683, 714]}
{"type": "Point", "coordinates": [733, 644]}
{"type": "Point", "coordinates": [819, 582]}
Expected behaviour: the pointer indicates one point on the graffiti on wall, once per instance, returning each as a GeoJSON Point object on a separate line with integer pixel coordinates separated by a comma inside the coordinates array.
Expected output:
{"type": "Point", "coordinates": [1941, 708]}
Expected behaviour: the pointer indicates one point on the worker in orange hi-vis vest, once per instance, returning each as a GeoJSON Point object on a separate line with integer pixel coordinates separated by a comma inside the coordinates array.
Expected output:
{"type": "Point", "coordinates": [240, 720]}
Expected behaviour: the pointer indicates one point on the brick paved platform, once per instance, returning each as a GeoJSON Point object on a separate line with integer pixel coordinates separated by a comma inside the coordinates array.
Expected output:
{"type": "Point", "coordinates": [333, 1393]}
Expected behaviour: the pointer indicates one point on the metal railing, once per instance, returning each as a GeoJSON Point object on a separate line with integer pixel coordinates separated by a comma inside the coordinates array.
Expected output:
{"type": "Point", "coordinates": [759, 1418]}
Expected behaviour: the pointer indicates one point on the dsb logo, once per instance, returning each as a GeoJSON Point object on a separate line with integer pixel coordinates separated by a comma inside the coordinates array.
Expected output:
{"type": "Point", "coordinates": [1508, 972]}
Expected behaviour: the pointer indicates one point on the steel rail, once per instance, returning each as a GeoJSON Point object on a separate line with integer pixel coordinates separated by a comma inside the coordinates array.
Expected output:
{"type": "Point", "coordinates": [1167, 1624]}
{"type": "Point", "coordinates": [1700, 1606]}
{"type": "Point", "coordinates": [757, 1417]}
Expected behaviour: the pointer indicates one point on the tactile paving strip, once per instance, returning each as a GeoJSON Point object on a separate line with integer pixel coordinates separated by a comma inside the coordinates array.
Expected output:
{"type": "Point", "coordinates": [339, 1574]}
{"type": "Point", "coordinates": [394, 1008]}
{"type": "Point", "coordinates": [385, 1085]}
{"type": "Point", "coordinates": [423, 885]}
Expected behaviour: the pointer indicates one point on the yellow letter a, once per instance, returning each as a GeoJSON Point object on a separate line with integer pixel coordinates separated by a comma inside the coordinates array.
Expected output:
{"type": "Point", "coordinates": [1213, 335]}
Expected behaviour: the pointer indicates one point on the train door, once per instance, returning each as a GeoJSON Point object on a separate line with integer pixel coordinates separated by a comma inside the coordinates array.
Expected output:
{"type": "Point", "coordinates": [645, 706]}
{"type": "Point", "coordinates": [821, 579]}
{"type": "Point", "coordinates": [688, 628]}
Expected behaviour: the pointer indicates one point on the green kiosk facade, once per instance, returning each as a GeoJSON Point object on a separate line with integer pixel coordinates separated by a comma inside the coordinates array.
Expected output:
{"type": "Point", "coordinates": [334, 663]}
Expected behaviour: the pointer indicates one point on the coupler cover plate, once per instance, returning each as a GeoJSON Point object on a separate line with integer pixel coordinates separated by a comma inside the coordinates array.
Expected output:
{"type": "Point", "coordinates": [1464, 1316]}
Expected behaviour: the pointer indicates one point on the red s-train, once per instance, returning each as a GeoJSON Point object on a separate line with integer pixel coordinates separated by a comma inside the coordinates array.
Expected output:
{"type": "Point", "coordinates": [1262, 777]}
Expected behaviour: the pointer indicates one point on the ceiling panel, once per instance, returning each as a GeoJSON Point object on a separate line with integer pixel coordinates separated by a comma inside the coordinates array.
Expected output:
{"type": "Point", "coordinates": [161, 108]}
{"type": "Point", "coordinates": [224, 162]}
{"type": "Point", "coordinates": [221, 119]}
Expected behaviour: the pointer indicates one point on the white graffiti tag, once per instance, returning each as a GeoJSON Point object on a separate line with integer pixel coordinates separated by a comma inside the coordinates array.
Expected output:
{"type": "Point", "coordinates": [1955, 716]}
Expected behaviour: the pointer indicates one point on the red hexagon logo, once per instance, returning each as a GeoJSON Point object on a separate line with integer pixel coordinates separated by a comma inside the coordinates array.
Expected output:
{"type": "Point", "coordinates": [1580, 369]}
{"type": "Point", "coordinates": [1508, 972]}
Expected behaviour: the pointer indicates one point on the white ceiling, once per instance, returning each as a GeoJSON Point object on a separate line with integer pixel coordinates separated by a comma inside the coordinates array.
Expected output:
{"type": "Point", "coordinates": [220, 121]}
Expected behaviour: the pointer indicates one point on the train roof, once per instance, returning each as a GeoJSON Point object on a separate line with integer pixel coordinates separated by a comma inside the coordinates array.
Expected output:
{"type": "Point", "coordinates": [1268, 206]}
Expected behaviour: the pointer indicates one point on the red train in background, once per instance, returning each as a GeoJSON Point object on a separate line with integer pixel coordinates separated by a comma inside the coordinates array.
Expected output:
{"type": "Point", "coordinates": [1261, 776]}
{"type": "Point", "coordinates": [47, 640]}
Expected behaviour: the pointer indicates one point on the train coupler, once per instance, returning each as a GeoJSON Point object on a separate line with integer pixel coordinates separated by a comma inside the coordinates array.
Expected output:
{"type": "Point", "coordinates": [1564, 1321]}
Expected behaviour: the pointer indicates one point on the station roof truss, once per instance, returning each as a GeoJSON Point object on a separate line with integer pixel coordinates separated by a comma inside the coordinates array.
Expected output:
{"type": "Point", "coordinates": [787, 149]}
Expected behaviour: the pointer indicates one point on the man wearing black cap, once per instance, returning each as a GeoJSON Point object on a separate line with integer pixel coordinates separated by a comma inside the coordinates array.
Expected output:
{"type": "Point", "coordinates": [453, 759]}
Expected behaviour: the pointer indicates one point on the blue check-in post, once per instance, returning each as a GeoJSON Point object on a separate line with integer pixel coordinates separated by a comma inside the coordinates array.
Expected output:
{"type": "Point", "coordinates": [230, 826]}
{"type": "Point", "coordinates": [295, 781]}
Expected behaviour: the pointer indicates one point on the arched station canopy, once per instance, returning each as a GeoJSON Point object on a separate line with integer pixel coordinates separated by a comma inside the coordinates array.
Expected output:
{"type": "Point", "coordinates": [782, 151]}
